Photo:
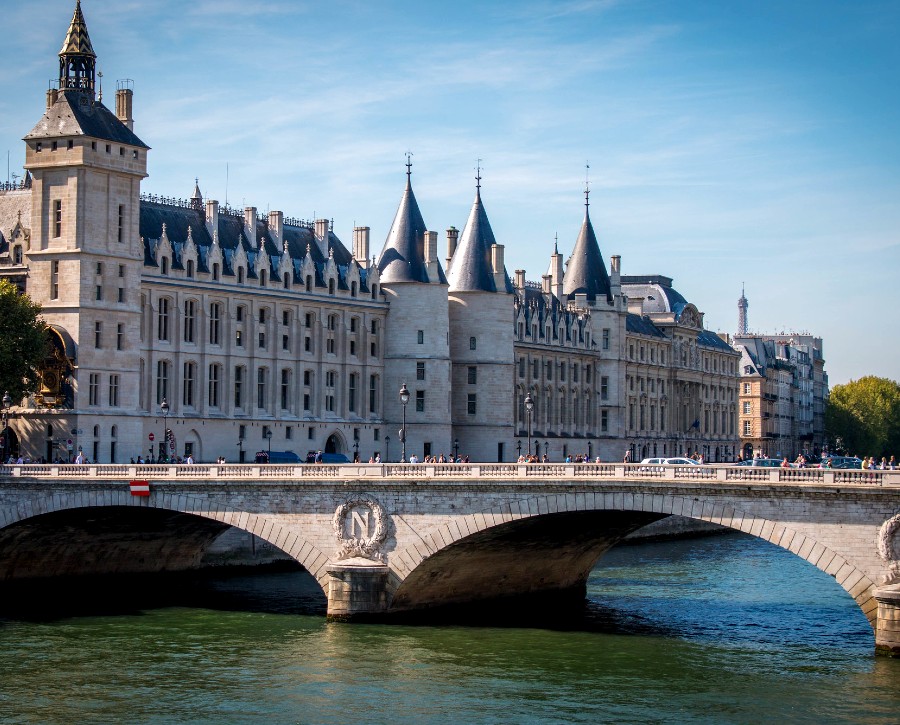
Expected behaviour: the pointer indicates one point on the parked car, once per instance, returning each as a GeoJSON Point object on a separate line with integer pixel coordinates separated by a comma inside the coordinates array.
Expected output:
{"type": "Point", "coordinates": [761, 462]}
{"type": "Point", "coordinates": [841, 462]}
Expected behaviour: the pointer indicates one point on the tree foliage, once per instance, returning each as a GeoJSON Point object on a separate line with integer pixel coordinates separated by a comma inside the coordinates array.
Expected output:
{"type": "Point", "coordinates": [23, 342]}
{"type": "Point", "coordinates": [863, 416]}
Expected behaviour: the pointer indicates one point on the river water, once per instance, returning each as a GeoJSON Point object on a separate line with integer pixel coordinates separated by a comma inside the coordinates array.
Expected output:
{"type": "Point", "coordinates": [725, 629]}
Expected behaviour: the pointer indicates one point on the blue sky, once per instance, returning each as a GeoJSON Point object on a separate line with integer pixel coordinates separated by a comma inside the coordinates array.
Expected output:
{"type": "Point", "coordinates": [729, 142]}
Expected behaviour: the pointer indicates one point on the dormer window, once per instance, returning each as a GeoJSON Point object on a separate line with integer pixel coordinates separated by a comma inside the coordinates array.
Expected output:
{"type": "Point", "coordinates": [190, 268]}
{"type": "Point", "coordinates": [240, 275]}
{"type": "Point", "coordinates": [164, 265]}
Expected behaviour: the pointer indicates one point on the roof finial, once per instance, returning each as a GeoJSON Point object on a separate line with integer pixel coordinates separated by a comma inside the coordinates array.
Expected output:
{"type": "Point", "coordinates": [478, 176]}
{"type": "Point", "coordinates": [408, 165]}
{"type": "Point", "coordinates": [587, 184]}
{"type": "Point", "coordinates": [100, 85]}
{"type": "Point", "coordinates": [556, 243]}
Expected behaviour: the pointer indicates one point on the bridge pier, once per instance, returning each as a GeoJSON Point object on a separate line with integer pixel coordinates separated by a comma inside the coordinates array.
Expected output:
{"type": "Point", "coordinates": [357, 590]}
{"type": "Point", "coordinates": [887, 628]}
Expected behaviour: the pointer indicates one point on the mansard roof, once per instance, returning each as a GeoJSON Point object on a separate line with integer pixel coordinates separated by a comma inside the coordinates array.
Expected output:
{"type": "Point", "coordinates": [642, 325]}
{"type": "Point", "coordinates": [76, 113]}
{"type": "Point", "coordinates": [403, 256]}
{"type": "Point", "coordinates": [657, 293]}
{"type": "Point", "coordinates": [708, 338]}
{"type": "Point", "coordinates": [77, 40]}
{"type": "Point", "coordinates": [586, 271]}
{"type": "Point", "coordinates": [543, 309]}
{"type": "Point", "coordinates": [471, 269]}
{"type": "Point", "coordinates": [298, 238]}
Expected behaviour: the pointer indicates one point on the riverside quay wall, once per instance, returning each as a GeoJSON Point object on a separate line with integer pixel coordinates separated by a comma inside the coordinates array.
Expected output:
{"type": "Point", "coordinates": [383, 540]}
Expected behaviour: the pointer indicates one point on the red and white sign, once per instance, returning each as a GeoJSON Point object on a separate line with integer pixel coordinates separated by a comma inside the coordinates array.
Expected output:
{"type": "Point", "coordinates": [151, 437]}
{"type": "Point", "coordinates": [140, 488]}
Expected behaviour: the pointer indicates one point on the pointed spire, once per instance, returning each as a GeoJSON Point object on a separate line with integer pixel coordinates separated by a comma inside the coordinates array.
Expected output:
{"type": "Point", "coordinates": [403, 255]}
{"type": "Point", "coordinates": [471, 269]}
{"type": "Point", "coordinates": [77, 60]}
{"type": "Point", "coordinates": [197, 197]}
{"type": "Point", "coordinates": [586, 272]}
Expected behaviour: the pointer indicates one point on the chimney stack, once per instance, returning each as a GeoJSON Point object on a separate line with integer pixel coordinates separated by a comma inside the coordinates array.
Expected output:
{"type": "Point", "coordinates": [520, 279]}
{"type": "Point", "coordinates": [498, 267]}
{"type": "Point", "coordinates": [212, 216]}
{"type": "Point", "coordinates": [250, 224]}
{"type": "Point", "coordinates": [431, 263]}
{"type": "Point", "coordinates": [276, 227]}
{"type": "Point", "coordinates": [361, 246]}
{"type": "Point", "coordinates": [52, 95]}
{"type": "Point", "coordinates": [322, 227]}
{"type": "Point", "coordinates": [124, 96]}
{"type": "Point", "coordinates": [452, 239]}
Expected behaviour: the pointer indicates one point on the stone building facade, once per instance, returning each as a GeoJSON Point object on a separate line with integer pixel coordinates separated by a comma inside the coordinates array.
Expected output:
{"type": "Point", "coordinates": [265, 332]}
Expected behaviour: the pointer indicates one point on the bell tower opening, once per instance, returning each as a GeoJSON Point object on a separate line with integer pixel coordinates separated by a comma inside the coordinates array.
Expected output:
{"type": "Point", "coordinates": [77, 60]}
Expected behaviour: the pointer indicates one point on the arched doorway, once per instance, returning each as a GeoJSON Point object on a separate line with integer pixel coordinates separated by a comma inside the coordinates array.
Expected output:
{"type": "Point", "coordinates": [335, 444]}
{"type": "Point", "coordinates": [748, 451]}
{"type": "Point", "coordinates": [10, 444]}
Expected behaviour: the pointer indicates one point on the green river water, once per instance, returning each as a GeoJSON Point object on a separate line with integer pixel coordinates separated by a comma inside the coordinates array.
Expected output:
{"type": "Point", "coordinates": [725, 629]}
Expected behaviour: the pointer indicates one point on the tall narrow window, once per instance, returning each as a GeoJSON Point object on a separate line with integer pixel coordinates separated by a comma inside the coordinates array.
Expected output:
{"type": "Point", "coordinates": [420, 370]}
{"type": "Point", "coordinates": [261, 388]}
{"type": "Point", "coordinates": [373, 393]}
{"type": "Point", "coordinates": [285, 389]}
{"type": "Point", "coordinates": [114, 390]}
{"type": "Point", "coordinates": [94, 389]}
{"type": "Point", "coordinates": [189, 319]}
{"type": "Point", "coordinates": [162, 327]}
{"type": "Point", "coordinates": [54, 280]}
{"type": "Point", "coordinates": [162, 380]}
{"type": "Point", "coordinates": [121, 223]}
{"type": "Point", "coordinates": [472, 375]}
{"type": "Point", "coordinates": [214, 385]}
{"type": "Point", "coordinates": [98, 334]}
{"type": "Point", "coordinates": [57, 218]}
{"type": "Point", "coordinates": [215, 314]}
{"type": "Point", "coordinates": [605, 339]}
{"type": "Point", "coordinates": [187, 384]}
{"type": "Point", "coordinates": [472, 404]}
{"type": "Point", "coordinates": [351, 394]}
{"type": "Point", "coordinates": [420, 401]}
{"type": "Point", "coordinates": [239, 387]}
{"type": "Point", "coordinates": [120, 336]}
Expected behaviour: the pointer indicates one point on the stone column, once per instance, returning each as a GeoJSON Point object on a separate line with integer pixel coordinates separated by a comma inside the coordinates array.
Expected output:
{"type": "Point", "coordinates": [357, 589]}
{"type": "Point", "coordinates": [887, 627]}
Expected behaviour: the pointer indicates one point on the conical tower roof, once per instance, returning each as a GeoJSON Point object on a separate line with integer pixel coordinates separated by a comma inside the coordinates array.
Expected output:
{"type": "Point", "coordinates": [586, 272]}
{"type": "Point", "coordinates": [471, 269]}
{"type": "Point", "coordinates": [77, 41]}
{"type": "Point", "coordinates": [403, 256]}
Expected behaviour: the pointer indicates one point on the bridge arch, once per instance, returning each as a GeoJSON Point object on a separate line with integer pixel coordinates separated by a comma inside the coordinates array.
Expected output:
{"type": "Point", "coordinates": [854, 581]}
{"type": "Point", "coordinates": [267, 528]}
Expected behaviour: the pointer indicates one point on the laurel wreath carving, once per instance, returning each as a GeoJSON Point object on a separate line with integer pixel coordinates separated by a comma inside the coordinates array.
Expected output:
{"type": "Point", "coordinates": [887, 548]}
{"type": "Point", "coordinates": [369, 547]}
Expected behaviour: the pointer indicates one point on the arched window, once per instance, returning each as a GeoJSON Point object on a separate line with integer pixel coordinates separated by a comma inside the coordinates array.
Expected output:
{"type": "Point", "coordinates": [286, 278]}
{"type": "Point", "coordinates": [262, 278]}
{"type": "Point", "coordinates": [164, 265]}
{"type": "Point", "coordinates": [309, 283]}
{"type": "Point", "coordinates": [215, 273]}
{"type": "Point", "coordinates": [17, 254]}
{"type": "Point", "coordinates": [240, 275]}
{"type": "Point", "coordinates": [331, 286]}
{"type": "Point", "coordinates": [353, 289]}
{"type": "Point", "coordinates": [190, 268]}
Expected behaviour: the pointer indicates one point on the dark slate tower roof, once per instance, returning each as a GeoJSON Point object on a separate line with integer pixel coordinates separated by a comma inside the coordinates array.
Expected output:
{"type": "Point", "coordinates": [77, 114]}
{"type": "Point", "coordinates": [403, 256]}
{"type": "Point", "coordinates": [585, 271]}
{"type": "Point", "coordinates": [471, 269]}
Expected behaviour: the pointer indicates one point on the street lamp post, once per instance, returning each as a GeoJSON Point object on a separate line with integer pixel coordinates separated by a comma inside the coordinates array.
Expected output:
{"type": "Point", "coordinates": [269, 440]}
{"type": "Point", "coordinates": [529, 409]}
{"type": "Point", "coordinates": [404, 399]}
{"type": "Point", "coordinates": [240, 445]}
{"type": "Point", "coordinates": [164, 407]}
{"type": "Point", "coordinates": [455, 449]}
{"type": "Point", "coordinates": [519, 448]}
{"type": "Point", "coordinates": [387, 449]}
{"type": "Point", "coordinates": [7, 401]}
{"type": "Point", "coordinates": [590, 453]}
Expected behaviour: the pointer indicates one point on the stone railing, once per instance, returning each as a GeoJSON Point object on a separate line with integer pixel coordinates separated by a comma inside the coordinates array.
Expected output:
{"type": "Point", "coordinates": [452, 473]}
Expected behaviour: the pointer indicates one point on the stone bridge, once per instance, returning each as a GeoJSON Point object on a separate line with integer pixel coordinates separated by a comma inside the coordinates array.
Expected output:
{"type": "Point", "coordinates": [400, 538]}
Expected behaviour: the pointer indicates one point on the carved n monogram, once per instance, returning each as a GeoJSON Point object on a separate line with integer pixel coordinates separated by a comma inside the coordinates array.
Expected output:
{"type": "Point", "coordinates": [361, 526]}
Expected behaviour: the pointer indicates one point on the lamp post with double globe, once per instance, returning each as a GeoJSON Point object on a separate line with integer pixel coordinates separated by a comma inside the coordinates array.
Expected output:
{"type": "Point", "coordinates": [404, 400]}
{"type": "Point", "coordinates": [529, 409]}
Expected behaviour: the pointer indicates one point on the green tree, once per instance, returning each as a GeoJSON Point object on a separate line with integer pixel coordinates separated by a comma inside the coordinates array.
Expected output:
{"type": "Point", "coordinates": [23, 342]}
{"type": "Point", "coordinates": [863, 416]}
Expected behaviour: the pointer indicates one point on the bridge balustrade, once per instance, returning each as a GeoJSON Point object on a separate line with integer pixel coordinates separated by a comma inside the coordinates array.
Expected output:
{"type": "Point", "coordinates": [471, 472]}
